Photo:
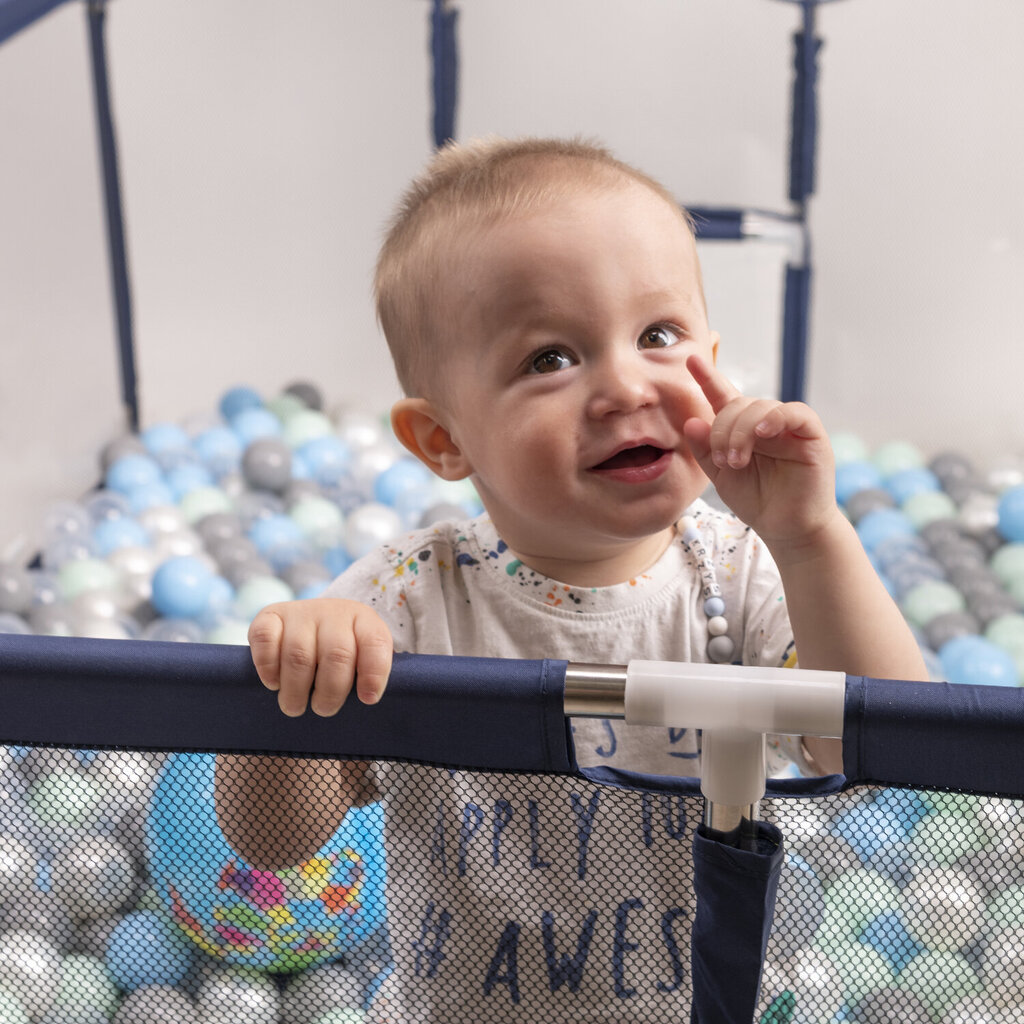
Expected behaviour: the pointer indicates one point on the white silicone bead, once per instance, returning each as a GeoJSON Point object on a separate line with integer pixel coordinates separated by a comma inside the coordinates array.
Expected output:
{"type": "Point", "coordinates": [718, 625]}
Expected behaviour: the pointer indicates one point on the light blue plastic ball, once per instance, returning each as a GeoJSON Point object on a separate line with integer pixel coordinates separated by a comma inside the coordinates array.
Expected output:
{"type": "Point", "coordinates": [152, 495]}
{"type": "Point", "coordinates": [143, 949]}
{"type": "Point", "coordinates": [909, 482]}
{"type": "Point", "coordinates": [252, 424]}
{"type": "Point", "coordinates": [131, 472]}
{"type": "Point", "coordinates": [852, 477]}
{"type": "Point", "coordinates": [336, 560]}
{"type": "Point", "coordinates": [882, 524]}
{"type": "Point", "coordinates": [182, 587]}
{"type": "Point", "coordinates": [237, 400]}
{"type": "Point", "coordinates": [975, 660]}
{"type": "Point", "coordinates": [1011, 514]}
{"type": "Point", "coordinates": [887, 935]}
{"type": "Point", "coordinates": [165, 437]}
{"type": "Point", "coordinates": [272, 921]}
{"type": "Point", "coordinates": [186, 478]}
{"type": "Point", "coordinates": [112, 534]}
{"type": "Point", "coordinates": [220, 449]}
{"type": "Point", "coordinates": [325, 459]}
{"type": "Point", "coordinates": [273, 531]}
{"type": "Point", "coordinates": [400, 477]}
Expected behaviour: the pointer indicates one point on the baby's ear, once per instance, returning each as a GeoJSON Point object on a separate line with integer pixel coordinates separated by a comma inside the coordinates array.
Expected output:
{"type": "Point", "coordinates": [420, 427]}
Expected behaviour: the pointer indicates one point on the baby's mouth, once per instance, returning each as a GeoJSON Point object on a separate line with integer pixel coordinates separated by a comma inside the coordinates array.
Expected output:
{"type": "Point", "coordinates": [628, 458]}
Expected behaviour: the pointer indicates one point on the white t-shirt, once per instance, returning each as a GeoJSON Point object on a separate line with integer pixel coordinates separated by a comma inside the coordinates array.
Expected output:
{"type": "Point", "coordinates": [543, 898]}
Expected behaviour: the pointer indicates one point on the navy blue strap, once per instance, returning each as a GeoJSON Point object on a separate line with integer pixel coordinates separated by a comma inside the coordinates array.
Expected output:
{"type": "Point", "coordinates": [115, 220]}
{"type": "Point", "coordinates": [735, 891]}
{"type": "Point", "coordinates": [804, 137]}
{"type": "Point", "coordinates": [445, 64]}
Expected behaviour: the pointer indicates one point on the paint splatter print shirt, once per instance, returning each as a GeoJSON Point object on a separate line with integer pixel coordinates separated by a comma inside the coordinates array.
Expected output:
{"type": "Point", "coordinates": [541, 898]}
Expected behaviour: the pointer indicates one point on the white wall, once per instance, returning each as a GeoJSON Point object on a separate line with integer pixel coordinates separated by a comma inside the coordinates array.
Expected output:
{"type": "Point", "coordinates": [263, 144]}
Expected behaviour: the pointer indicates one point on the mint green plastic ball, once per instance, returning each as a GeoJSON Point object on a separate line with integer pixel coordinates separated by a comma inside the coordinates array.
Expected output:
{"type": "Point", "coordinates": [861, 970]}
{"type": "Point", "coordinates": [320, 520]}
{"type": "Point", "coordinates": [83, 574]}
{"type": "Point", "coordinates": [928, 506]}
{"type": "Point", "coordinates": [848, 447]}
{"type": "Point", "coordinates": [941, 839]}
{"type": "Point", "coordinates": [85, 981]}
{"type": "Point", "coordinates": [255, 594]}
{"type": "Point", "coordinates": [306, 425]}
{"type": "Point", "coordinates": [1006, 909]}
{"type": "Point", "coordinates": [65, 798]}
{"type": "Point", "coordinates": [856, 898]}
{"type": "Point", "coordinates": [939, 980]}
{"type": "Point", "coordinates": [204, 501]}
{"type": "Point", "coordinates": [895, 456]}
{"type": "Point", "coordinates": [285, 406]}
{"type": "Point", "coordinates": [1008, 563]}
{"type": "Point", "coordinates": [924, 602]}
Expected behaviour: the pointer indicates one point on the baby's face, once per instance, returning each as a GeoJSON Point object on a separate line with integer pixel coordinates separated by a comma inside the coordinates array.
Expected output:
{"type": "Point", "coordinates": [566, 372]}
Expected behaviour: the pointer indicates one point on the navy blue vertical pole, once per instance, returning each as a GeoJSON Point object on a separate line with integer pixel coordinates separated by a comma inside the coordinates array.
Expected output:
{"type": "Point", "coordinates": [115, 220]}
{"type": "Point", "coordinates": [803, 143]}
{"type": "Point", "coordinates": [445, 70]}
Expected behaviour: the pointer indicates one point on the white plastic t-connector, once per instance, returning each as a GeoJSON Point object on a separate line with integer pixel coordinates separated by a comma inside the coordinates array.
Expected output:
{"type": "Point", "coordinates": [734, 706]}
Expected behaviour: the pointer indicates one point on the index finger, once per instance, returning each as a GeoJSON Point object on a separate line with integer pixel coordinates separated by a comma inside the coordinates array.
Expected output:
{"type": "Point", "coordinates": [717, 388]}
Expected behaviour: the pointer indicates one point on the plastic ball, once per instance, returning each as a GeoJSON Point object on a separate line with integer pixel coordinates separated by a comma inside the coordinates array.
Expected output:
{"type": "Point", "coordinates": [233, 993]}
{"type": "Point", "coordinates": [183, 480]}
{"type": "Point", "coordinates": [237, 399]}
{"type": "Point", "coordinates": [85, 983]}
{"type": "Point", "coordinates": [881, 525]}
{"type": "Point", "coordinates": [906, 483]}
{"type": "Point", "coordinates": [799, 908]}
{"type": "Point", "coordinates": [939, 980]}
{"type": "Point", "coordinates": [157, 1004]}
{"type": "Point", "coordinates": [369, 527]}
{"type": "Point", "coordinates": [10, 623]}
{"type": "Point", "coordinates": [897, 457]}
{"type": "Point", "coordinates": [859, 504]}
{"type": "Point", "coordinates": [927, 507]}
{"type": "Point", "coordinates": [252, 424]}
{"type": "Point", "coordinates": [284, 406]}
{"type": "Point", "coordinates": [319, 519]}
{"type": "Point", "coordinates": [887, 935]}
{"type": "Point", "coordinates": [165, 437]}
{"type": "Point", "coordinates": [204, 501]}
{"type": "Point", "coordinates": [403, 475]}
{"type": "Point", "coordinates": [256, 593]}
{"type": "Point", "coordinates": [132, 472]}
{"type": "Point", "coordinates": [181, 587]}
{"type": "Point", "coordinates": [93, 877]}
{"type": "Point", "coordinates": [973, 659]}
{"type": "Point", "coordinates": [219, 448]}
{"type": "Point", "coordinates": [358, 429]}
{"type": "Point", "coordinates": [1008, 563]}
{"type": "Point", "coordinates": [111, 534]}
{"type": "Point", "coordinates": [1010, 511]}
{"type": "Point", "coordinates": [65, 799]}
{"type": "Point", "coordinates": [273, 531]}
{"type": "Point", "coordinates": [305, 426]}
{"type": "Point", "coordinates": [927, 600]}
{"type": "Point", "coordinates": [144, 949]}
{"type": "Point", "coordinates": [307, 393]}
{"type": "Point", "coordinates": [18, 868]}
{"type": "Point", "coordinates": [15, 589]}
{"type": "Point", "coordinates": [30, 971]}
{"type": "Point", "coordinates": [218, 526]}
{"type": "Point", "coordinates": [85, 574]}
{"type": "Point", "coordinates": [326, 458]}
{"type": "Point", "coordinates": [816, 984]}
{"type": "Point", "coordinates": [948, 626]}
{"type": "Point", "coordinates": [890, 1006]}
{"type": "Point", "coordinates": [847, 447]}
{"type": "Point", "coordinates": [941, 839]}
{"type": "Point", "coordinates": [949, 466]}
{"type": "Point", "coordinates": [273, 921]}
{"type": "Point", "coordinates": [186, 631]}
{"type": "Point", "coordinates": [267, 464]}
{"type": "Point", "coordinates": [852, 477]}
{"type": "Point", "coordinates": [127, 444]}
{"type": "Point", "coordinates": [856, 898]}
{"type": "Point", "coordinates": [942, 909]}
{"type": "Point", "coordinates": [36, 911]}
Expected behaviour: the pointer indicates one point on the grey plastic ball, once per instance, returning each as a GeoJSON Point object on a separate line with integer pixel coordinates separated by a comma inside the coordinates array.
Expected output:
{"type": "Point", "coordinates": [267, 464]}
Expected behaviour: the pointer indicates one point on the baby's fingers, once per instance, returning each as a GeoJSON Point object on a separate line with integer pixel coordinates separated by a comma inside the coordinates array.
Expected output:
{"type": "Point", "coordinates": [265, 635]}
{"type": "Point", "coordinates": [356, 650]}
{"type": "Point", "coordinates": [737, 429]}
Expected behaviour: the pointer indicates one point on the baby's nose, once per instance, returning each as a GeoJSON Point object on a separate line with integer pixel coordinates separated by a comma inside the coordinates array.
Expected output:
{"type": "Point", "coordinates": [621, 385]}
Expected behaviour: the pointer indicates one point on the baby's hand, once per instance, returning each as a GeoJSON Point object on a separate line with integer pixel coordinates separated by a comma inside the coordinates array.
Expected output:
{"type": "Point", "coordinates": [311, 651]}
{"type": "Point", "coordinates": [771, 462]}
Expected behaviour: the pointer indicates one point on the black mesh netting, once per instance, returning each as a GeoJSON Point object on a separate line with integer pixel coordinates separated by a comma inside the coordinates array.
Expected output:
{"type": "Point", "coordinates": [505, 898]}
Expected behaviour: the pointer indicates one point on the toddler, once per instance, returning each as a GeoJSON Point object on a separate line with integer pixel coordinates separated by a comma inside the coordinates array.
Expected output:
{"type": "Point", "coordinates": [544, 308]}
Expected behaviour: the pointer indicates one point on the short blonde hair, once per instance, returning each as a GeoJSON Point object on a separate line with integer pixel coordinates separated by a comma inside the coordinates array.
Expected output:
{"type": "Point", "coordinates": [465, 188]}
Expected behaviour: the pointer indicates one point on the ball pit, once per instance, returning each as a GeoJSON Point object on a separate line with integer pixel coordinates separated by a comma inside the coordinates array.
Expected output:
{"type": "Point", "coordinates": [905, 908]}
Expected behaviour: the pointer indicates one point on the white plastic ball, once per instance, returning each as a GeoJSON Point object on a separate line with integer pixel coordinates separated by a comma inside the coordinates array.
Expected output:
{"type": "Point", "coordinates": [93, 877]}
{"type": "Point", "coordinates": [318, 991]}
{"type": "Point", "coordinates": [30, 971]}
{"type": "Point", "coordinates": [85, 983]}
{"type": "Point", "coordinates": [238, 993]}
{"type": "Point", "coordinates": [161, 519]}
{"type": "Point", "coordinates": [370, 526]}
{"type": "Point", "coordinates": [18, 868]}
{"type": "Point", "coordinates": [157, 1004]}
{"type": "Point", "coordinates": [358, 429]}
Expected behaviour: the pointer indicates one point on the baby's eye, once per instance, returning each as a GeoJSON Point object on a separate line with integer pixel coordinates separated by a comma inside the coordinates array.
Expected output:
{"type": "Point", "coordinates": [549, 361]}
{"type": "Point", "coordinates": [658, 336]}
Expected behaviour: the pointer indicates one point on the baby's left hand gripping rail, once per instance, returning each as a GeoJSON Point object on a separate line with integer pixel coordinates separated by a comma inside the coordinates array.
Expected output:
{"type": "Point", "coordinates": [734, 706]}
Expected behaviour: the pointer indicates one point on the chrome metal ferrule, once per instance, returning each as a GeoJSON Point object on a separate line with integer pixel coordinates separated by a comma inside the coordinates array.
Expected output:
{"type": "Point", "coordinates": [595, 691]}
